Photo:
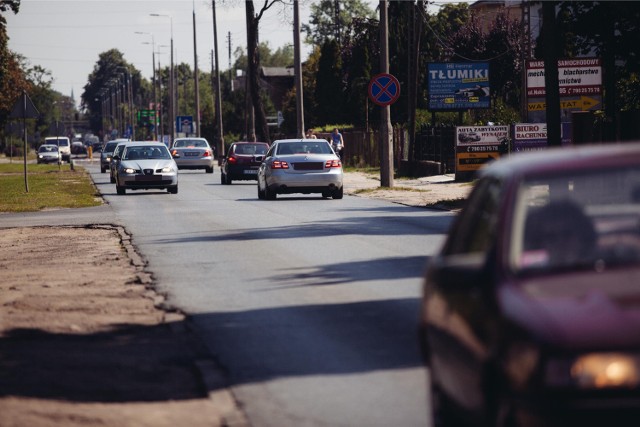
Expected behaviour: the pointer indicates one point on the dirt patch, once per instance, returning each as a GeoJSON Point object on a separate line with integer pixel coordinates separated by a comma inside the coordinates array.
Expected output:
{"type": "Point", "coordinates": [82, 340]}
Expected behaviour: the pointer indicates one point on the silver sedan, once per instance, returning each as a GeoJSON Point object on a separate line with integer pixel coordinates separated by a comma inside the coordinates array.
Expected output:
{"type": "Point", "coordinates": [300, 166]}
{"type": "Point", "coordinates": [144, 166]}
{"type": "Point", "coordinates": [193, 153]}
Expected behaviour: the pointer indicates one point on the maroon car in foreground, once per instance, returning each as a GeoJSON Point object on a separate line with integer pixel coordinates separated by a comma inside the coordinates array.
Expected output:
{"type": "Point", "coordinates": [531, 310]}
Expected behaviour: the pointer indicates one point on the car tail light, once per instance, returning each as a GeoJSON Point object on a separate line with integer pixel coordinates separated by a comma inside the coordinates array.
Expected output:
{"type": "Point", "coordinates": [206, 153]}
{"type": "Point", "coordinates": [174, 152]}
{"type": "Point", "coordinates": [232, 159]}
{"type": "Point", "coordinates": [333, 164]}
{"type": "Point", "coordinates": [279, 164]}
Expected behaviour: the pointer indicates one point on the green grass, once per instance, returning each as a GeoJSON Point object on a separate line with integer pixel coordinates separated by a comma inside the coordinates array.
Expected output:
{"type": "Point", "coordinates": [50, 187]}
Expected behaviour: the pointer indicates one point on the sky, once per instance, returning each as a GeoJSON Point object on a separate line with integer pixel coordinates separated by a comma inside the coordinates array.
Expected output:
{"type": "Point", "coordinates": [66, 37]}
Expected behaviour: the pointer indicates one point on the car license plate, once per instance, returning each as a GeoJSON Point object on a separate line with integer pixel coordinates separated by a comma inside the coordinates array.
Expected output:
{"type": "Point", "coordinates": [191, 153]}
{"type": "Point", "coordinates": [148, 178]}
{"type": "Point", "coordinates": [251, 171]}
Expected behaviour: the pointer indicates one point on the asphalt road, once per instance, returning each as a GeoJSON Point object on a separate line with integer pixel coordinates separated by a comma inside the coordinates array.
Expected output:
{"type": "Point", "coordinates": [309, 304]}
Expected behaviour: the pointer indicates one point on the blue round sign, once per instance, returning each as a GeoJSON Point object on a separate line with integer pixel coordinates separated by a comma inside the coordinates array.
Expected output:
{"type": "Point", "coordinates": [384, 89]}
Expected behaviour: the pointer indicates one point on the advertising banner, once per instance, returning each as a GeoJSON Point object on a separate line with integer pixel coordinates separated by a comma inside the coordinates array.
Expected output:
{"type": "Point", "coordinates": [458, 86]}
{"type": "Point", "coordinates": [529, 136]}
{"type": "Point", "coordinates": [580, 76]}
{"type": "Point", "coordinates": [477, 145]}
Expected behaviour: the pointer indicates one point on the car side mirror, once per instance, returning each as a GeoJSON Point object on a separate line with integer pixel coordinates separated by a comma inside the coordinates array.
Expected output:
{"type": "Point", "coordinates": [259, 158]}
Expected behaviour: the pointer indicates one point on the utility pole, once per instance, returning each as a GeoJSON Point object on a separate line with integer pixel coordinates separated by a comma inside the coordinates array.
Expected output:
{"type": "Point", "coordinates": [196, 86]}
{"type": "Point", "coordinates": [298, 69]}
{"type": "Point", "coordinates": [552, 86]}
{"type": "Point", "coordinates": [218, 100]}
{"type": "Point", "coordinates": [386, 131]}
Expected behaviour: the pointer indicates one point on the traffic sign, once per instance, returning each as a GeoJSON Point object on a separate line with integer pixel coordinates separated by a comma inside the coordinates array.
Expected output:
{"type": "Point", "coordinates": [384, 89]}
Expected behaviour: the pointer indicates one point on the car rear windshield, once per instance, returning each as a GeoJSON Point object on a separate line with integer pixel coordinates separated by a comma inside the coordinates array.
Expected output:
{"type": "Point", "coordinates": [195, 143]}
{"type": "Point", "coordinates": [588, 219]}
{"type": "Point", "coordinates": [251, 149]}
{"type": "Point", "coordinates": [319, 147]}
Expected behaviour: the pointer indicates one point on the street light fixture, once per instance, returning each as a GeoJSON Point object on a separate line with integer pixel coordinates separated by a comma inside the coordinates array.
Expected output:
{"type": "Point", "coordinates": [171, 82]}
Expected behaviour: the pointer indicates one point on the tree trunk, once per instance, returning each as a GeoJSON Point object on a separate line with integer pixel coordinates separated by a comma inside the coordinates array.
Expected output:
{"type": "Point", "coordinates": [253, 73]}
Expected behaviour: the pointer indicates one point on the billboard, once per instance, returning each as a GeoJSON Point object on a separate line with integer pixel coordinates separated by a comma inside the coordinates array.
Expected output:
{"type": "Point", "coordinates": [477, 145]}
{"type": "Point", "coordinates": [529, 136]}
{"type": "Point", "coordinates": [458, 85]}
{"type": "Point", "coordinates": [580, 76]}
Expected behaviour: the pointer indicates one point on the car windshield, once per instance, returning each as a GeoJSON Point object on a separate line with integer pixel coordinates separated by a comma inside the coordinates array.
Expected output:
{"type": "Point", "coordinates": [146, 153]}
{"type": "Point", "coordinates": [585, 220]}
{"type": "Point", "coordinates": [48, 149]}
{"type": "Point", "coordinates": [110, 147]}
{"type": "Point", "coordinates": [250, 149]}
{"type": "Point", "coordinates": [319, 147]}
{"type": "Point", "coordinates": [195, 143]}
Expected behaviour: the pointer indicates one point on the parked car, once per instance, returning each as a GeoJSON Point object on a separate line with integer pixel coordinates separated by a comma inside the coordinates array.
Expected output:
{"type": "Point", "coordinates": [107, 152]}
{"type": "Point", "coordinates": [531, 310]}
{"type": "Point", "coordinates": [48, 153]}
{"type": "Point", "coordinates": [242, 161]}
{"type": "Point", "coordinates": [300, 166]}
{"type": "Point", "coordinates": [146, 166]}
{"type": "Point", "coordinates": [193, 153]}
{"type": "Point", "coordinates": [64, 146]}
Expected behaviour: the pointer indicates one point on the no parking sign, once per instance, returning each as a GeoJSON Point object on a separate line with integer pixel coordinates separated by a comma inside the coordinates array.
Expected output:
{"type": "Point", "coordinates": [384, 89]}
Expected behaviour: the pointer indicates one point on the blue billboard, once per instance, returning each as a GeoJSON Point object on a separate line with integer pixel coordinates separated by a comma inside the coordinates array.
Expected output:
{"type": "Point", "coordinates": [458, 85]}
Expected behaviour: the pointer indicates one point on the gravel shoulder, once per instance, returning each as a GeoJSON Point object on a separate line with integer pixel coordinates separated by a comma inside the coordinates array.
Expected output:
{"type": "Point", "coordinates": [86, 341]}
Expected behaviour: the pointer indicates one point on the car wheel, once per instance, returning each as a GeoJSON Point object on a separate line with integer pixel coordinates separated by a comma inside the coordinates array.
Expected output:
{"type": "Point", "coordinates": [112, 179]}
{"type": "Point", "coordinates": [326, 194]}
{"type": "Point", "coordinates": [102, 170]}
{"type": "Point", "coordinates": [337, 194]}
{"type": "Point", "coordinates": [121, 190]}
{"type": "Point", "coordinates": [173, 189]}
{"type": "Point", "coordinates": [269, 194]}
{"type": "Point", "coordinates": [209, 169]}
{"type": "Point", "coordinates": [261, 195]}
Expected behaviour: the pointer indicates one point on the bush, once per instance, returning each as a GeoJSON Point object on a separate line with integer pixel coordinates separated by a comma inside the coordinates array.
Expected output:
{"type": "Point", "coordinates": [15, 150]}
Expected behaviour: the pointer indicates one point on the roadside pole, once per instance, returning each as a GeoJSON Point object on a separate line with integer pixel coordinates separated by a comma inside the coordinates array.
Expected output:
{"type": "Point", "coordinates": [23, 108]}
{"type": "Point", "coordinates": [386, 132]}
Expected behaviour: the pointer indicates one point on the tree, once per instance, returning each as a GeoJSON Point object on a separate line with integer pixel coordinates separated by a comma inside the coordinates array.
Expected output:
{"type": "Point", "coordinates": [332, 20]}
{"type": "Point", "coordinates": [107, 70]}
{"type": "Point", "coordinates": [329, 91]}
{"type": "Point", "coordinates": [12, 79]}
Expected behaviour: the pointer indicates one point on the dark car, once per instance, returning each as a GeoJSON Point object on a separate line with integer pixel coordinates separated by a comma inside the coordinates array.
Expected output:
{"type": "Point", "coordinates": [531, 310]}
{"type": "Point", "coordinates": [107, 152]}
{"type": "Point", "coordinates": [242, 161]}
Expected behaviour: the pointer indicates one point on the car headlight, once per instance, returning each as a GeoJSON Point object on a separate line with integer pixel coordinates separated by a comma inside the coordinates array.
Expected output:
{"type": "Point", "coordinates": [40, 156]}
{"type": "Point", "coordinates": [596, 371]}
{"type": "Point", "coordinates": [129, 170]}
{"type": "Point", "coordinates": [167, 169]}
{"type": "Point", "coordinates": [108, 158]}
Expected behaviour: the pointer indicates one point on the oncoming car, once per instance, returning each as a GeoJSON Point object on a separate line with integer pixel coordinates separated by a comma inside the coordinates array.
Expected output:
{"type": "Point", "coordinates": [107, 152]}
{"type": "Point", "coordinates": [193, 153]}
{"type": "Point", "coordinates": [48, 153]}
{"type": "Point", "coordinates": [242, 161]}
{"type": "Point", "coordinates": [145, 166]}
{"type": "Point", "coordinates": [300, 166]}
{"type": "Point", "coordinates": [531, 310]}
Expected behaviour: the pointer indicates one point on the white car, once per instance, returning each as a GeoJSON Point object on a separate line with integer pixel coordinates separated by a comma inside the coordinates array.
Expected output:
{"type": "Point", "coordinates": [193, 153]}
{"type": "Point", "coordinates": [300, 166]}
{"type": "Point", "coordinates": [48, 153]}
{"type": "Point", "coordinates": [145, 166]}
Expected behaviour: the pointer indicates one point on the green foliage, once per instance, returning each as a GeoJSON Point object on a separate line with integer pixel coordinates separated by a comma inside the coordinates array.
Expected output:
{"type": "Point", "coordinates": [325, 24]}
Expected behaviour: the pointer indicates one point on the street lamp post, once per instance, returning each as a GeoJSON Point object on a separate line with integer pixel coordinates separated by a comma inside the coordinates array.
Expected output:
{"type": "Point", "coordinates": [171, 83]}
{"type": "Point", "coordinates": [155, 98]}
{"type": "Point", "coordinates": [196, 86]}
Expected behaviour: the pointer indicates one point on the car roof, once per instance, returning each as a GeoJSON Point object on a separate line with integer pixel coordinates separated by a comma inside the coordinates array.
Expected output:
{"type": "Point", "coordinates": [249, 142]}
{"type": "Point", "coordinates": [300, 140]}
{"type": "Point", "coordinates": [564, 159]}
